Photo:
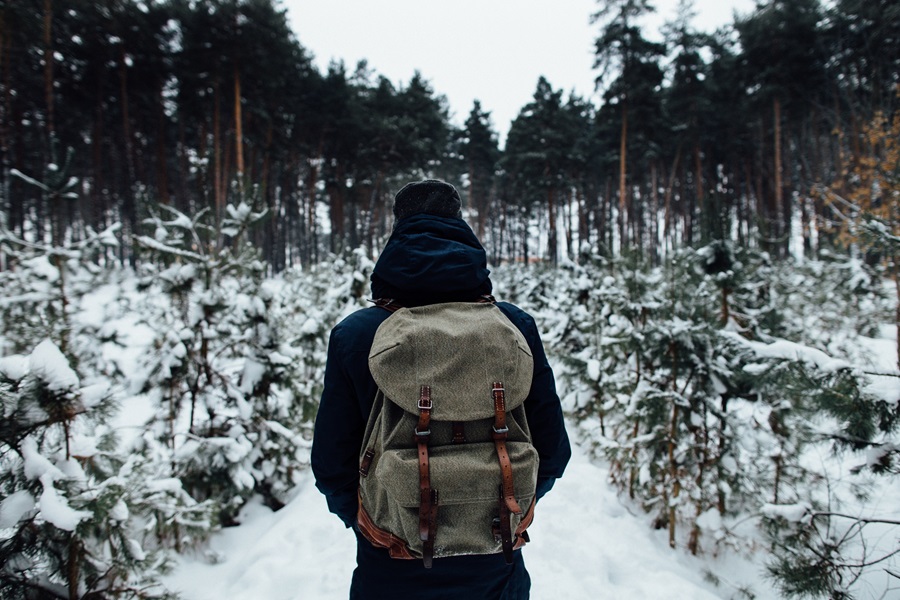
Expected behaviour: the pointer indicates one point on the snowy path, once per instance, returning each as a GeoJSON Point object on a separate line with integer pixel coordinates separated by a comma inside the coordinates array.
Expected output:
{"type": "Point", "coordinates": [586, 545]}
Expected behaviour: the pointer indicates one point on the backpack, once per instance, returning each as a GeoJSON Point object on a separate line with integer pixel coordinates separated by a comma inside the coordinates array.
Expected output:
{"type": "Point", "coordinates": [447, 466]}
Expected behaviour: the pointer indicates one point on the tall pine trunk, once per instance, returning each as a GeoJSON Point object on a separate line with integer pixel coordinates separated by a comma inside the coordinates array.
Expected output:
{"type": "Point", "coordinates": [779, 180]}
{"type": "Point", "coordinates": [623, 201]}
{"type": "Point", "coordinates": [552, 239]}
{"type": "Point", "coordinates": [238, 129]}
{"type": "Point", "coordinates": [48, 66]}
{"type": "Point", "coordinates": [218, 192]}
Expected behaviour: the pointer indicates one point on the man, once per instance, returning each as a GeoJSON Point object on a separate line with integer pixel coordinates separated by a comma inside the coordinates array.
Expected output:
{"type": "Point", "coordinates": [431, 257]}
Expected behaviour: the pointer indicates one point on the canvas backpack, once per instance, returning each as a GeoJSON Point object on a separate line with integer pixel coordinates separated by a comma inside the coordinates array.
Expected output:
{"type": "Point", "coordinates": [447, 466]}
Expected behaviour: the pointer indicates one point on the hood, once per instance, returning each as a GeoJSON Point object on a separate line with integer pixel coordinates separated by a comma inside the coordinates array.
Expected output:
{"type": "Point", "coordinates": [431, 259]}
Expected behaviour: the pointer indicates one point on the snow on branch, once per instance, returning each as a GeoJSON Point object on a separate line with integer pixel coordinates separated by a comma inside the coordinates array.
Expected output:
{"type": "Point", "coordinates": [153, 244]}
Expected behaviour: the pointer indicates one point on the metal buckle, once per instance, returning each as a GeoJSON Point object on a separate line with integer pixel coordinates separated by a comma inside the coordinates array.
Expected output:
{"type": "Point", "coordinates": [425, 433]}
{"type": "Point", "coordinates": [504, 430]}
{"type": "Point", "coordinates": [424, 403]}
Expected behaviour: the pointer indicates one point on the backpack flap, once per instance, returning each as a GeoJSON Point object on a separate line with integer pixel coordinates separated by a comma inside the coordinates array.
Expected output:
{"type": "Point", "coordinates": [457, 349]}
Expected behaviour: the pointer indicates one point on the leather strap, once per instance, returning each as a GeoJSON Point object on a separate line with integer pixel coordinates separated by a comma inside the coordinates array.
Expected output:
{"type": "Point", "coordinates": [388, 304]}
{"type": "Point", "coordinates": [500, 434]}
{"type": "Point", "coordinates": [366, 462]}
{"type": "Point", "coordinates": [379, 537]}
{"type": "Point", "coordinates": [392, 305]}
{"type": "Point", "coordinates": [505, 531]}
{"type": "Point", "coordinates": [428, 497]}
{"type": "Point", "coordinates": [521, 533]}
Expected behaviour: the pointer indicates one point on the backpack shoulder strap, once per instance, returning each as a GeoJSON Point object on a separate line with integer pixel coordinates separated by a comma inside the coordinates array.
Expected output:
{"type": "Point", "coordinates": [391, 305]}
{"type": "Point", "coordinates": [388, 304]}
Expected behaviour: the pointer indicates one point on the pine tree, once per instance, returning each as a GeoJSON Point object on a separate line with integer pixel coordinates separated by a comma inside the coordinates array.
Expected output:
{"type": "Point", "coordinates": [628, 65]}
{"type": "Point", "coordinates": [220, 374]}
{"type": "Point", "coordinates": [534, 160]}
{"type": "Point", "coordinates": [74, 511]}
{"type": "Point", "coordinates": [480, 154]}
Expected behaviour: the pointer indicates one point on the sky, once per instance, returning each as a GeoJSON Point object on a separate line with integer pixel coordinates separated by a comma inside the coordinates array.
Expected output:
{"type": "Point", "coordinates": [493, 51]}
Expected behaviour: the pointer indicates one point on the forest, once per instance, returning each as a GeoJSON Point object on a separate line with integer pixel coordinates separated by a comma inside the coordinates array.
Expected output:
{"type": "Point", "coordinates": [758, 133]}
{"type": "Point", "coordinates": [188, 205]}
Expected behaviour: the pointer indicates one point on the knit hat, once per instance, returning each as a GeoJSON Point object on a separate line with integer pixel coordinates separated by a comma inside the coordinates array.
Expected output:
{"type": "Point", "coordinates": [430, 196]}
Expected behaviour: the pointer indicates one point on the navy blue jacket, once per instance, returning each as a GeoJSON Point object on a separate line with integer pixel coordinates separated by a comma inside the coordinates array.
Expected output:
{"type": "Point", "coordinates": [428, 259]}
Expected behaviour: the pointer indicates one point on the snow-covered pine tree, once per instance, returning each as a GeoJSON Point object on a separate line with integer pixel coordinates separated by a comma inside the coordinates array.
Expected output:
{"type": "Point", "coordinates": [76, 518]}
{"type": "Point", "coordinates": [72, 518]}
{"type": "Point", "coordinates": [820, 549]}
{"type": "Point", "coordinates": [652, 364]}
{"type": "Point", "coordinates": [313, 301]}
{"type": "Point", "coordinates": [220, 371]}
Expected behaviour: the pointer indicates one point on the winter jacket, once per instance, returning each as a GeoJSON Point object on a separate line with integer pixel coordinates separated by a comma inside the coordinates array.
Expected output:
{"type": "Point", "coordinates": [428, 259]}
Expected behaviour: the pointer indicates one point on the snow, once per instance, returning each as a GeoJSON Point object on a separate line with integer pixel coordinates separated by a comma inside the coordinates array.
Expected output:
{"type": "Point", "coordinates": [884, 352]}
{"type": "Point", "coordinates": [589, 541]}
{"type": "Point", "coordinates": [793, 513]}
{"type": "Point", "coordinates": [55, 509]}
{"type": "Point", "coordinates": [92, 395]}
{"type": "Point", "coordinates": [14, 367]}
{"type": "Point", "coordinates": [135, 549]}
{"type": "Point", "coordinates": [37, 465]}
{"type": "Point", "coordinates": [593, 369]}
{"type": "Point", "coordinates": [170, 484]}
{"type": "Point", "coordinates": [585, 541]}
{"type": "Point", "coordinates": [14, 507]}
{"type": "Point", "coordinates": [50, 366]}
{"type": "Point", "coordinates": [119, 512]}
{"type": "Point", "coordinates": [783, 349]}
{"type": "Point", "coordinates": [252, 375]}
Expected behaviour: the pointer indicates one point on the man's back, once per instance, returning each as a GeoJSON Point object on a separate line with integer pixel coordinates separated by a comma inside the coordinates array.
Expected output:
{"type": "Point", "coordinates": [430, 258]}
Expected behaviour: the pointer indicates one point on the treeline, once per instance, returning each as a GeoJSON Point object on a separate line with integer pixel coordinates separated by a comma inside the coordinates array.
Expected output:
{"type": "Point", "coordinates": [197, 104]}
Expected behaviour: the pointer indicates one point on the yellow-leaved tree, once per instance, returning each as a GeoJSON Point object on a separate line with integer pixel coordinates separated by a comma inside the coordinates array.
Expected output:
{"type": "Point", "coordinates": [865, 197]}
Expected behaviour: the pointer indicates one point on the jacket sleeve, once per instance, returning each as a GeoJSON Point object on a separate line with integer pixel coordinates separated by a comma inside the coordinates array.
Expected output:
{"type": "Point", "coordinates": [542, 407]}
{"type": "Point", "coordinates": [338, 435]}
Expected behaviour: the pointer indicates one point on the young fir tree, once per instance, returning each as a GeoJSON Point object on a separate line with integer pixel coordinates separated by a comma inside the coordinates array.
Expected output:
{"type": "Point", "coordinates": [220, 372]}
{"type": "Point", "coordinates": [75, 512]}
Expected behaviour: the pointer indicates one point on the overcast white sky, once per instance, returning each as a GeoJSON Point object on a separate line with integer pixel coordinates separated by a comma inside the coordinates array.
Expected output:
{"type": "Point", "coordinates": [490, 50]}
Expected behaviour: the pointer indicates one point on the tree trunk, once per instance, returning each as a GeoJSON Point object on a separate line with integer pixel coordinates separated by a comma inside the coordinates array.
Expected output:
{"type": "Point", "coordinates": [896, 273]}
{"type": "Point", "coordinates": [238, 130]}
{"type": "Point", "coordinates": [126, 118]}
{"type": "Point", "coordinates": [654, 222]}
{"type": "Point", "coordinates": [48, 66]}
{"type": "Point", "coordinates": [720, 491]}
{"type": "Point", "coordinates": [336, 195]}
{"type": "Point", "coordinates": [673, 464]}
{"type": "Point", "coordinates": [780, 228]}
{"type": "Point", "coordinates": [162, 177]}
{"type": "Point", "coordinates": [552, 237]}
{"type": "Point", "coordinates": [670, 189]}
{"type": "Point", "coordinates": [73, 567]}
{"type": "Point", "coordinates": [218, 194]}
{"type": "Point", "coordinates": [623, 201]}
{"type": "Point", "coordinates": [698, 187]}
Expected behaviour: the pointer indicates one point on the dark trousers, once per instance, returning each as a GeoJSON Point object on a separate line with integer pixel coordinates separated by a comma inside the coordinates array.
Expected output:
{"type": "Point", "coordinates": [483, 577]}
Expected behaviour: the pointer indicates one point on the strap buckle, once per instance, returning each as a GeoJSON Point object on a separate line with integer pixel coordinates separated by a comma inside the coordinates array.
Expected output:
{"type": "Point", "coordinates": [500, 431]}
{"type": "Point", "coordinates": [424, 403]}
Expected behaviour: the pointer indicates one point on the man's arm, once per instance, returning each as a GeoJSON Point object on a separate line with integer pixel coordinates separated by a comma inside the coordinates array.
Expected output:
{"type": "Point", "coordinates": [542, 406]}
{"type": "Point", "coordinates": [338, 435]}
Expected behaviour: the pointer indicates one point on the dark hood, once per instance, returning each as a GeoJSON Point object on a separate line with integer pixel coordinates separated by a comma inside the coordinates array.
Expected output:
{"type": "Point", "coordinates": [430, 259]}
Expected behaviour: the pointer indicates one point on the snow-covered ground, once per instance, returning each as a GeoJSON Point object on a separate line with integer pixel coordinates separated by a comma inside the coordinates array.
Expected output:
{"type": "Point", "coordinates": [586, 544]}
